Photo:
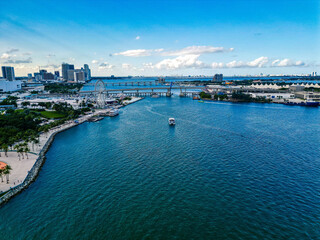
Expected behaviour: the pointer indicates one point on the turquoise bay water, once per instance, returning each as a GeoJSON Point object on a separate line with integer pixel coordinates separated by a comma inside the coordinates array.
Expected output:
{"type": "Point", "coordinates": [225, 171]}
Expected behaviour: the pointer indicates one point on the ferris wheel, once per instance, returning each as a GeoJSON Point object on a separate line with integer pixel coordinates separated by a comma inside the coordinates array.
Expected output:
{"type": "Point", "coordinates": [99, 88]}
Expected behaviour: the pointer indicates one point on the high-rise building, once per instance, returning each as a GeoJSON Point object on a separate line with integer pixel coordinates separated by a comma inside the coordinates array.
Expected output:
{"type": "Point", "coordinates": [79, 76]}
{"type": "Point", "coordinates": [70, 75]}
{"type": "Point", "coordinates": [8, 73]}
{"type": "Point", "coordinates": [87, 72]}
{"type": "Point", "coordinates": [42, 72]}
{"type": "Point", "coordinates": [57, 73]}
{"type": "Point", "coordinates": [48, 76]}
{"type": "Point", "coordinates": [217, 78]}
{"type": "Point", "coordinates": [65, 68]}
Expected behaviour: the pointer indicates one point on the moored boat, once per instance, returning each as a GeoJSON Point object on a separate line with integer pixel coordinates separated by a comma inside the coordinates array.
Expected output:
{"type": "Point", "coordinates": [113, 112]}
{"type": "Point", "coordinates": [196, 98]}
{"type": "Point", "coordinates": [306, 104]}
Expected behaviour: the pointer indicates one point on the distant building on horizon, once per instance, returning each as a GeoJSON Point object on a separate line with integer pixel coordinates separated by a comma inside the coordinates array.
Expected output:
{"type": "Point", "coordinates": [65, 68]}
{"type": "Point", "coordinates": [217, 78]}
{"type": "Point", "coordinates": [48, 76]}
{"type": "Point", "coordinates": [8, 73]}
{"type": "Point", "coordinates": [57, 73]}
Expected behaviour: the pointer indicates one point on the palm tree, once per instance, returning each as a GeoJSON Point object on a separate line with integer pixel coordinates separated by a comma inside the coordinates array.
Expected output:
{"type": "Point", "coordinates": [7, 171]}
{"type": "Point", "coordinates": [17, 148]}
{"type": "Point", "coordinates": [26, 150]}
{"type": "Point", "coordinates": [5, 147]}
{"type": "Point", "coordinates": [20, 150]}
{"type": "Point", "coordinates": [1, 174]}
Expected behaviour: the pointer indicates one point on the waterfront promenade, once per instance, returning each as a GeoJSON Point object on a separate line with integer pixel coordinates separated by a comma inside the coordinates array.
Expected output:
{"type": "Point", "coordinates": [22, 166]}
{"type": "Point", "coordinates": [25, 170]}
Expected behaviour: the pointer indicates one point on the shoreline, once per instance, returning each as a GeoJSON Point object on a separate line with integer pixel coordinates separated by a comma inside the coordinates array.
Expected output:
{"type": "Point", "coordinates": [40, 160]}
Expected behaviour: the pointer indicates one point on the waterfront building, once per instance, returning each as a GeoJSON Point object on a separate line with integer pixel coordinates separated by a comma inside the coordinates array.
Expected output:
{"type": "Point", "coordinates": [217, 78]}
{"type": "Point", "coordinates": [65, 68]}
{"type": "Point", "coordinates": [8, 73]}
{"type": "Point", "coordinates": [10, 86]}
{"type": "Point", "coordinates": [29, 76]}
{"type": "Point", "coordinates": [309, 96]}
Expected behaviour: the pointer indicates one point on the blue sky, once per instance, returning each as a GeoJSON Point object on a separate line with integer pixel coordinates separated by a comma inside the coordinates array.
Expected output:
{"type": "Point", "coordinates": [162, 37]}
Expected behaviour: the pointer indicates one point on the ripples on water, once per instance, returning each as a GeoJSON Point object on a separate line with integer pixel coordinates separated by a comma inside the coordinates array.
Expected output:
{"type": "Point", "coordinates": [225, 171]}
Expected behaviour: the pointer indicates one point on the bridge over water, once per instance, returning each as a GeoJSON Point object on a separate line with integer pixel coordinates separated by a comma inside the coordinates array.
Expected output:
{"type": "Point", "coordinates": [145, 91]}
{"type": "Point", "coordinates": [126, 83]}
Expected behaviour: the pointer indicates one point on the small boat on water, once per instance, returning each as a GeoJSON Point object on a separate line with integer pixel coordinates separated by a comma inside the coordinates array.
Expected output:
{"type": "Point", "coordinates": [172, 121]}
{"type": "Point", "coordinates": [95, 119]}
{"type": "Point", "coordinates": [154, 95]}
{"type": "Point", "coordinates": [196, 98]}
{"type": "Point", "coordinates": [113, 112]}
{"type": "Point", "coordinates": [200, 101]}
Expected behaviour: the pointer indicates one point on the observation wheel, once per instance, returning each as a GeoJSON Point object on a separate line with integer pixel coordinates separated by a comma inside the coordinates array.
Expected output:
{"type": "Point", "coordinates": [99, 89]}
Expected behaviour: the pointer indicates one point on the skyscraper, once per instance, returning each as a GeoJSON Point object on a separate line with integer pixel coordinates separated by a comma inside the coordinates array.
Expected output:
{"type": "Point", "coordinates": [65, 68]}
{"type": "Point", "coordinates": [8, 73]}
{"type": "Point", "coordinates": [87, 72]}
{"type": "Point", "coordinates": [79, 76]}
{"type": "Point", "coordinates": [71, 75]}
{"type": "Point", "coordinates": [217, 78]}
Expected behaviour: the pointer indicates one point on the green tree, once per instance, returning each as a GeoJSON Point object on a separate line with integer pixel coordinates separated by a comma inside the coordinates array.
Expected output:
{"type": "Point", "coordinates": [7, 172]}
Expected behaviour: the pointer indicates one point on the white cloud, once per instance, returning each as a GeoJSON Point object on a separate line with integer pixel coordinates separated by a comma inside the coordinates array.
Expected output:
{"type": "Point", "coordinates": [94, 61]}
{"type": "Point", "coordinates": [186, 61]}
{"type": "Point", "coordinates": [192, 50]}
{"type": "Point", "coordinates": [139, 52]}
{"type": "Point", "coordinates": [197, 50]}
{"type": "Point", "coordinates": [287, 63]}
{"type": "Point", "coordinates": [18, 61]}
{"type": "Point", "coordinates": [137, 37]}
{"type": "Point", "coordinates": [257, 63]}
{"type": "Point", "coordinates": [126, 66]}
{"type": "Point", "coordinates": [5, 56]}
{"type": "Point", "coordinates": [54, 66]}
{"type": "Point", "coordinates": [192, 61]}
{"type": "Point", "coordinates": [217, 65]}
{"type": "Point", "coordinates": [105, 65]}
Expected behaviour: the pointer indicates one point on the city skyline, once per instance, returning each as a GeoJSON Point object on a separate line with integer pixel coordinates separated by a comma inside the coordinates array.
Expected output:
{"type": "Point", "coordinates": [162, 38]}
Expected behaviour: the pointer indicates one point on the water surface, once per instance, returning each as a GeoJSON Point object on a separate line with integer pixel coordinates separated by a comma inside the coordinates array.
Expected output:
{"type": "Point", "coordinates": [225, 171]}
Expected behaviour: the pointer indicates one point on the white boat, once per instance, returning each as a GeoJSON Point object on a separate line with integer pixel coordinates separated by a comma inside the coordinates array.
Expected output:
{"type": "Point", "coordinates": [172, 121]}
{"type": "Point", "coordinates": [113, 112]}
